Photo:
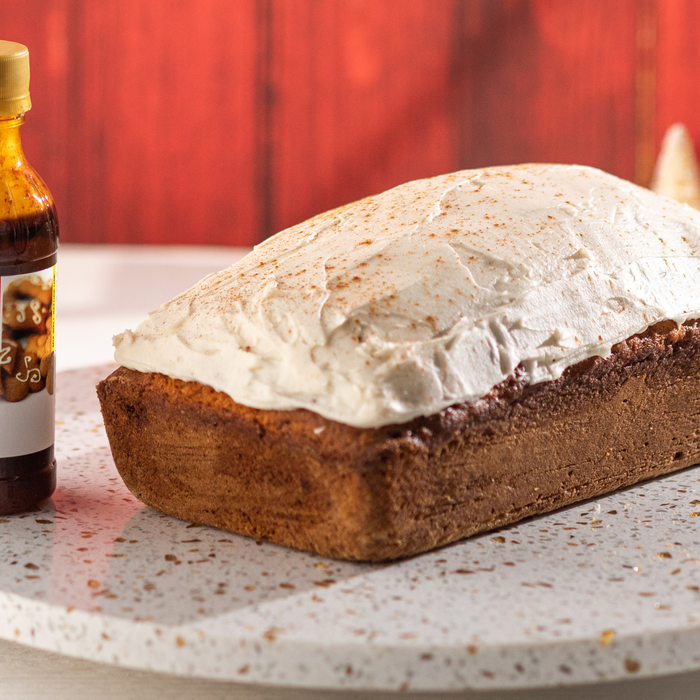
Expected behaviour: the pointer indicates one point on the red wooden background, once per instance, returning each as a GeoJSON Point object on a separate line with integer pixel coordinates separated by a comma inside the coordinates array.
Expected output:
{"type": "Point", "coordinates": [223, 121]}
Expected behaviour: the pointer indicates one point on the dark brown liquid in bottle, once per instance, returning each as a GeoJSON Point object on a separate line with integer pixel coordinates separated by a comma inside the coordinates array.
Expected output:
{"type": "Point", "coordinates": [27, 245]}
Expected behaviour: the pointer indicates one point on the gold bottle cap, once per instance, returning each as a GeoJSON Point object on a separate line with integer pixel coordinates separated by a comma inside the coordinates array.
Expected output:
{"type": "Point", "coordinates": [14, 78]}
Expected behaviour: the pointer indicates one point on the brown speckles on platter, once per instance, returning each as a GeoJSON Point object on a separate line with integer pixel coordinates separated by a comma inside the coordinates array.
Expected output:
{"type": "Point", "coordinates": [632, 665]}
{"type": "Point", "coordinates": [516, 608]}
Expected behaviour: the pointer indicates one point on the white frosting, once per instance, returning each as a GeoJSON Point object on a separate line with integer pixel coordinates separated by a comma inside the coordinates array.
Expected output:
{"type": "Point", "coordinates": [431, 294]}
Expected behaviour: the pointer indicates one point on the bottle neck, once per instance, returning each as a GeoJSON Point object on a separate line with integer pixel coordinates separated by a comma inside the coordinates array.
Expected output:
{"type": "Point", "coordinates": [11, 153]}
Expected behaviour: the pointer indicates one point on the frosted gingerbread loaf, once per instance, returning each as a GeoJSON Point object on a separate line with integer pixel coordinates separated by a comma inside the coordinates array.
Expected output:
{"type": "Point", "coordinates": [447, 357]}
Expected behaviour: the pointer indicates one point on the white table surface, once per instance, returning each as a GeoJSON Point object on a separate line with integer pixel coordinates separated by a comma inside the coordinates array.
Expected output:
{"type": "Point", "coordinates": [100, 291]}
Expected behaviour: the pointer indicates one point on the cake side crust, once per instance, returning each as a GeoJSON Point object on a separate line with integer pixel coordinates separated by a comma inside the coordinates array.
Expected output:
{"type": "Point", "coordinates": [298, 479]}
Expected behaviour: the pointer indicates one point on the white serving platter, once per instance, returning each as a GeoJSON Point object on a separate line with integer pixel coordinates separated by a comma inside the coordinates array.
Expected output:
{"type": "Point", "coordinates": [604, 590]}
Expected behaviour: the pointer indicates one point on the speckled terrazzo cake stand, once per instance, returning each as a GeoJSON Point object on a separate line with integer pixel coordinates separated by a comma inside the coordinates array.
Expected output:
{"type": "Point", "coordinates": [600, 591]}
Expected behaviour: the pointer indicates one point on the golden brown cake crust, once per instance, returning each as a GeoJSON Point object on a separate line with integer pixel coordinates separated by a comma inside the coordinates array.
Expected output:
{"type": "Point", "coordinates": [298, 479]}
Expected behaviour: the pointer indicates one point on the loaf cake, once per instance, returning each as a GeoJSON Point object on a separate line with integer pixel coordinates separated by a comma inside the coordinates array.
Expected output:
{"type": "Point", "coordinates": [447, 357]}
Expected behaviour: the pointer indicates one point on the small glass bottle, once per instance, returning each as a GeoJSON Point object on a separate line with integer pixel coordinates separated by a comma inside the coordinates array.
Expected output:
{"type": "Point", "coordinates": [28, 245]}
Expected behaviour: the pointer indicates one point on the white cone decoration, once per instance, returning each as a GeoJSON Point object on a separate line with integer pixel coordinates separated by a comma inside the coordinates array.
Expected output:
{"type": "Point", "coordinates": [676, 173]}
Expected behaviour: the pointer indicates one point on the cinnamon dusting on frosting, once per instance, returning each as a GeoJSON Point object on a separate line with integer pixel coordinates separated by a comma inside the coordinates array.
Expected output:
{"type": "Point", "coordinates": [431, 294]}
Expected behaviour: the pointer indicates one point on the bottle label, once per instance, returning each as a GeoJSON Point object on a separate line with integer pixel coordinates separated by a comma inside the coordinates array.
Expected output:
{"type": "Point", "coordinates": [27, 365]}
